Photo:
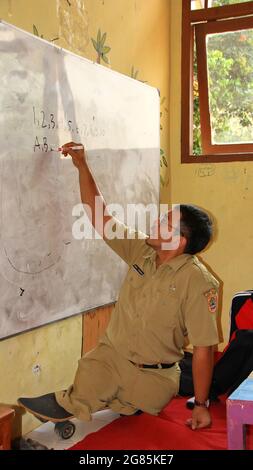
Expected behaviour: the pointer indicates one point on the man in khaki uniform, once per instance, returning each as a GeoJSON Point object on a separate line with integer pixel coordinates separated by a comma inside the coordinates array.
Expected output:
{"type": "Point", "coordinates": [166, 295]}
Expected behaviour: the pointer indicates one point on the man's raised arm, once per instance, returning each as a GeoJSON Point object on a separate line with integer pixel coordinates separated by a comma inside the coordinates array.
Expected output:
{"type": "Point", "coordinates": [88, 188]}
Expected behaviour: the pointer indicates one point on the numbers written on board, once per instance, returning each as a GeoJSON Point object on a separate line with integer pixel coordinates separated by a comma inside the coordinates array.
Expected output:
{"type": "Point", "coordinates": [41, 120]}
{"type": "Point", "coordinates": [48, 121]}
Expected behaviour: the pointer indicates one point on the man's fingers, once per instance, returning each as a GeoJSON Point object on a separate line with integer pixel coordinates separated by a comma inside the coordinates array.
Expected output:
{"type": "Point", "coordinates": [71, 148]}
{"type": "Point", "coordinates": [76, 151]}
{"type": "Point", "coordinates": [70, 144]}
{"type": "Point", "coordinates": [192, 424]}
{"type": "Point", "coordinates": [65, 152]}
{"type": "Point", "coordinates": [195, 424]}
{"type": "Point", "coordinates": [204, 425]}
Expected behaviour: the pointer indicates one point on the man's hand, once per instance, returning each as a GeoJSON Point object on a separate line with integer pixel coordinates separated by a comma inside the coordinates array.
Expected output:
{"type": "Point", "coordinates": [78, 156]}
{"type": "Point", "coordinates": [200, 418]}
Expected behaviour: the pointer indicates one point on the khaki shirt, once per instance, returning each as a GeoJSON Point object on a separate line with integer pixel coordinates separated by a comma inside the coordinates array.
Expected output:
{"type": "Point", "coordinates": [158, 307]}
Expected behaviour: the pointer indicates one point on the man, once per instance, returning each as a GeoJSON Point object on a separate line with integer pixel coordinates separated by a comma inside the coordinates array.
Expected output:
{"type": "Point", "coordinates": [167, 294]}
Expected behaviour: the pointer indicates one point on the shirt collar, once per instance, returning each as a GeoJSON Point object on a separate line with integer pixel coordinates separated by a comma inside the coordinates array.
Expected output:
{"type": "Point", "coordinates": [151, 255]}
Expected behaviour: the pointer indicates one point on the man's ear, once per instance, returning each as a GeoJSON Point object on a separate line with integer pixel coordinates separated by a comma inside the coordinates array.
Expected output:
{"type": "Point", "coordinates": [183, 242]}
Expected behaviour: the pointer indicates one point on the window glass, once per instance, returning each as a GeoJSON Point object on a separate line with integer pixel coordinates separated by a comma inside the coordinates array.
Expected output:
{"type": "Point", "coordinates": [197, 149]}
{"type": "Point", "coordinates": [197, 4]}
{"type": "Point", "coordinates": [230, 86]}
{"type": "Point", "coordinates": [219, 3]}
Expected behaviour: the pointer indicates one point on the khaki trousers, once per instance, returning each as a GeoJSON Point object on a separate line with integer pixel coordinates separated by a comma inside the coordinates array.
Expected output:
{"type": "Point", "coordinates": [106, 379]}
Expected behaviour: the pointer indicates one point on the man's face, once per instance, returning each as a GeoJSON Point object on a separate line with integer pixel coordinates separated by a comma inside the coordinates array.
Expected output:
{"type": "Point", "coordinates": [165, 229]}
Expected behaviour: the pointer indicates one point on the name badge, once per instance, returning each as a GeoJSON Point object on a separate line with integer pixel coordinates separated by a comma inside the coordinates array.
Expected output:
{"type": "Point", "coordinates": [138, 269]}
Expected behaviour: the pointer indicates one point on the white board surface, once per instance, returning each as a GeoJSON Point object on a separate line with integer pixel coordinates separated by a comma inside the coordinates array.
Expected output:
{"type": "Point", "coordinates": [48, 97]}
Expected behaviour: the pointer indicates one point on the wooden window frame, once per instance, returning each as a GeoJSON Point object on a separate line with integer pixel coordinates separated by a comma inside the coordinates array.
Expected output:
{"type": "Point", "coordinates": [191, 18]}
{"type": "Point", "coordinates": [201, 31]}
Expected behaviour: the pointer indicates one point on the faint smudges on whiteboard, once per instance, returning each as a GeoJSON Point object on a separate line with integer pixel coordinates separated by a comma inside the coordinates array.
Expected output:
{"type": "Point", "coordinates": [31, 268]}
{"type": "Point", "coordinates": [21, 316]}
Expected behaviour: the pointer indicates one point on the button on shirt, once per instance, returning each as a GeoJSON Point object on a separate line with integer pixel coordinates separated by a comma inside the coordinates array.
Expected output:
{"type": "Point", "coordinates": [158, 307]}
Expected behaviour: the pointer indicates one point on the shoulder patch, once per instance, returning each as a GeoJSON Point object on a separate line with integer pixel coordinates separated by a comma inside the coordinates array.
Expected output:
{"type": "Point", "coordinates": [212, 300]}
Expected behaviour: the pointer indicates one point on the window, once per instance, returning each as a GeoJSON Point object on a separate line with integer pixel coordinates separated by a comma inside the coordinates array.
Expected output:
{"type": "Point", "coordinates": [217, 80]}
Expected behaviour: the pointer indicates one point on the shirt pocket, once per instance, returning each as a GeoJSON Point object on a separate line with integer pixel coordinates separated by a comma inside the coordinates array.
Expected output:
{"type": "Point", "coordinates": [134, 279]}
{"type": "Point", "coordinates": [130, 292]}
{"type": "Point", "coordinates": [167, 306]}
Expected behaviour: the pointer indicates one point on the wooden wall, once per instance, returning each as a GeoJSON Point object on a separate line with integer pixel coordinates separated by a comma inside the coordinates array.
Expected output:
{"type": "Point", "coordinates": [94, 325]}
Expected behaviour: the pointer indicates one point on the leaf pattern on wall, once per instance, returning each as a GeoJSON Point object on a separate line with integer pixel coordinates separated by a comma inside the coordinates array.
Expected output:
{"type": "Point", "coordinates": [100, 47]}
{"type": "Point", "coordinates": [36, 33]}
{"type": "Point", "coordinates": [164, 166]}
{"type": "Point", "coordinates": [163, 108]}
{"type": "Point", "coordinates": [134, 73]}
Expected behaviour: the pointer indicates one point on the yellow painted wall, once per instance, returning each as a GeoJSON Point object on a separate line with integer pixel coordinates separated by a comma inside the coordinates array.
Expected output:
{"type": "Point", "coordinates": [138, 35]}
{"type": "Point", "coordinates": [227, 193]}
{"type": "Point", "coordinates": [39, 362]}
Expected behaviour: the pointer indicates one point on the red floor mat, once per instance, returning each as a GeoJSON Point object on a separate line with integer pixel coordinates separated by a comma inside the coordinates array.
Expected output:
{"type": "Point", "coordinates": [166, 431]}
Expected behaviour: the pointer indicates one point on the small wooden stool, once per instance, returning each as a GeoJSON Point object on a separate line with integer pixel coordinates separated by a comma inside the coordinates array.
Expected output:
{"type": "Point", "coordinates": [6, 416]}
{"type": "Point", "coordinates": [239, 413]}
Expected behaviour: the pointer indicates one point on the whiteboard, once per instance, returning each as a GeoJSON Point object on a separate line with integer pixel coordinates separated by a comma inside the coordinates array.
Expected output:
{"type": "Point", "coordinates": [50, 96]}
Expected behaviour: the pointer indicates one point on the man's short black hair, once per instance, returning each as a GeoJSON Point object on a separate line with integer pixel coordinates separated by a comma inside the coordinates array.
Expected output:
{"type": "Point", "coordinates": [196, 226]}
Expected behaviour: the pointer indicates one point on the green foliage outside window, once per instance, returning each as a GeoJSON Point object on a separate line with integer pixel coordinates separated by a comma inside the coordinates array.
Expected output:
{"type": "Point", "coordinates": [230, 76]}
{"type": "Point", "coordinates": [220, 3]}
